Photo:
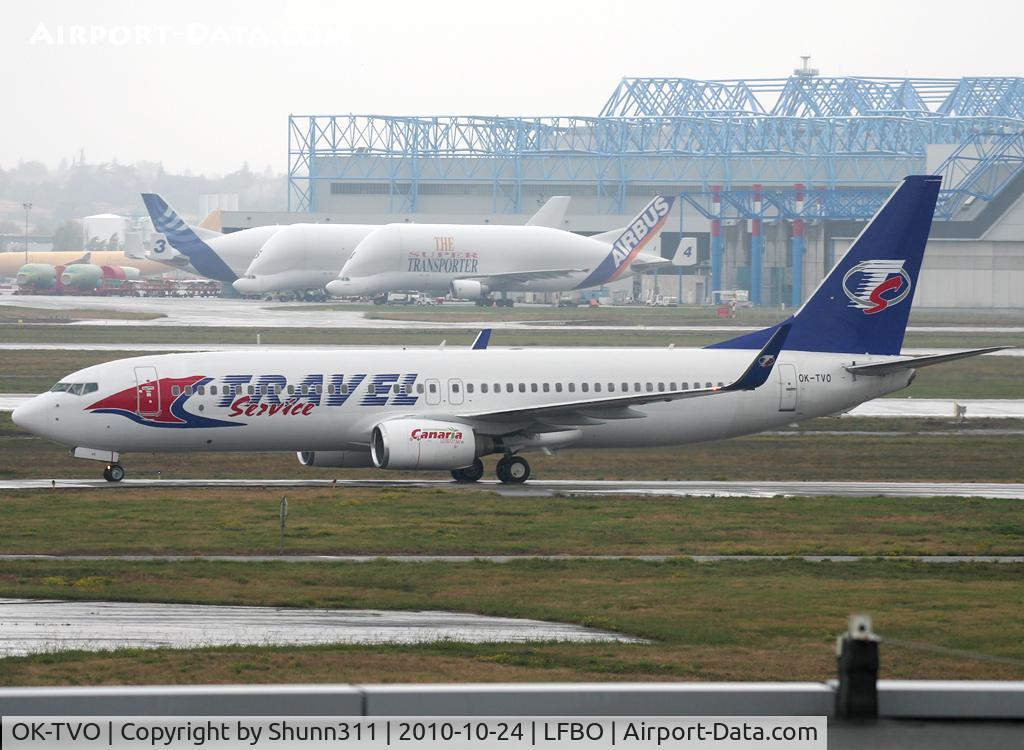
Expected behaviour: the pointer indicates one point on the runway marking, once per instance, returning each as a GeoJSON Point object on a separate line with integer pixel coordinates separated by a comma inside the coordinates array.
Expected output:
{"type": "Point", "coordinates": [547, 488]}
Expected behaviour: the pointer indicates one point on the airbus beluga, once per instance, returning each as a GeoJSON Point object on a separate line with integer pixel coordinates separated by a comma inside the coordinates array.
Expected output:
{"type": "Point", "coordinates": [445, 409]}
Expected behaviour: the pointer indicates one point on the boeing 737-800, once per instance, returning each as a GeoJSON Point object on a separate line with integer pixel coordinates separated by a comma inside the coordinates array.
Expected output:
{"type": "Point", "coordinates": [444, 409]}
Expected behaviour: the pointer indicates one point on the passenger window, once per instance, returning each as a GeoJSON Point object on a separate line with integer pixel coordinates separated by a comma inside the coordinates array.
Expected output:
{"type": "Point", "coordinates": [650, 387]}
{"type": "Point", "coordinates": [330, 389]}
{"type": "Point", "coordinates": [611, 387]}
{"type": "Point", "coordinates": [533, 387]}
{"type": "Point", "coordinates": [394, 389]}
{"type": "Point", "coordinates": [721, 384]}
{"type": "Point", "coordinates": [469, 387]}
{"type": "Point", "coordinates": [597, 387]}
{"type": "Point", "coordinates": [419, 387]}
{"type": "Point", "coordinates": [522, 387]}
{"type": "Point", "coordinates": [455, 387]}
{"type": "Point", "coordinates": [319, 388]}
{"type": "Point", "coordinates": [250, 390]}
{"type": "Point", "coordinates": [684, 386]}
{"type": "Point", "coordinates": [508, 387]}
{"type": "Point", "coordinates": [707, 385]}
{"type": "Point", "coordinates": [433, 388]}
{"type": "Point", "coordinates": [672, 386]}
{"type": "Point", "coordinates": [661, 387]}
{"type": "Point", "coordinates": [558, 387]}
{"type": "Point", "coordinates": [546, 387]}
{"type": "Point", "coordinates": [572, 387]}
{"type": "Point", "coordinates": [585, 387]}
{"type": "Point", "coordinates": [213, 390]}
{"type": "Point", "coordinates": [345, 390]}
{"type": "Point", "coordinates": [303, 390]}
{"type": "Point", "coordinates": [175, 390]}
{"type": "Point", "coordinates": [636, 387]}
{"type": "Point", "coordinates": [188, 390]}
{"type": "Point", "coordinates": [483, 387]}
{"type": "Point", "coordinates": [625, 387]}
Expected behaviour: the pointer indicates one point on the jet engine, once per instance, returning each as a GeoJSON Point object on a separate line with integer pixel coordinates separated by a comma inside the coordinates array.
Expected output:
{"type": "Point", "coordinates": [81, 277]}
{"type": "Point", "coordinates": [467, 289]}
{"type": "Point", "coordinates": [37, 276]}
{"type": "Point", "coordinates": [425, 444]}
{"type": "Point", "coordinates": [336, 459]}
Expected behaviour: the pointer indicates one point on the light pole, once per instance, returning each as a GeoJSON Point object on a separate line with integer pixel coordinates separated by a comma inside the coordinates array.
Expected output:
{"type": "Point", "coordinates": [27, 207]}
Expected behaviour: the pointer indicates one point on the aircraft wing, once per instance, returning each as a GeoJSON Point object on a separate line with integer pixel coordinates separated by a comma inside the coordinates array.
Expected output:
{"type": "Point", "coordinates": [885, 368]}
{"type": "Point", "coordinates": [617, 407]}
{"type": "Point", "coordinates": [496, 280]}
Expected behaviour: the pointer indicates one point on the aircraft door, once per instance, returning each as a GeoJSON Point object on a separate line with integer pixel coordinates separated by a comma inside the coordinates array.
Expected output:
{"type": "Point", "coordinates": [787, 387]}
{"type": "Point", "coordinates": [433, 394]}
{"type": "Point", "coordinates": [147, 391]}
{"type": "Point", "coordinates": [455, 394]}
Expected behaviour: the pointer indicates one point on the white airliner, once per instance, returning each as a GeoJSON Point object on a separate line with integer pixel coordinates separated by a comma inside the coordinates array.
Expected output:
{"type": "Point", "coordinates": [471, 261]}
{"type": "Point", "coordinates": [445, 408]}
{"type": "Point", "coordinates": [308, 256]}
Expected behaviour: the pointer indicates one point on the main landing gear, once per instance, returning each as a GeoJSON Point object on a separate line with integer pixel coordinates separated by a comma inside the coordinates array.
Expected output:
{"type": "Point", "coordinates": [510, 470]}
{"type": "Point", "coordinates": [113, 473]}
{"type": "Point", "coordinates": [471, 473]}
{"type": "Point", "coordinates": [513, 470]}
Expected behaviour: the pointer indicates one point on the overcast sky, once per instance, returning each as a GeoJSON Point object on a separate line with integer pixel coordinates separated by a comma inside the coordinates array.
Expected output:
{"type": "Point", "coordinates": [208, 85]}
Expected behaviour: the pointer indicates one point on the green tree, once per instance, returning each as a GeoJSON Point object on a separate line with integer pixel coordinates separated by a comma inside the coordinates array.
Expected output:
{"type": "Point", "coordinates": [68, 236]}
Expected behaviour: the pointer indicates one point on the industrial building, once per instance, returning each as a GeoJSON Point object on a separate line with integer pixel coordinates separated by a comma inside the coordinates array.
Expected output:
{"type": "Point", "coordinates": [776, 176]}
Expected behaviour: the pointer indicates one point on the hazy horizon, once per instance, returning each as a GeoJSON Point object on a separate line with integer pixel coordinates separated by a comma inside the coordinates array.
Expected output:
{"type": "Point", "coordinates": [206, 87]}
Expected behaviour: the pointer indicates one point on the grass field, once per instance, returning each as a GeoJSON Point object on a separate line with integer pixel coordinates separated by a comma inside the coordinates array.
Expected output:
{"type": "Point", "coordinates": [13, 314]}
{"type": "Point", "coordinates": [343, 521]}
{"type": "Point", "coordinates": [983, 453]}
{"type": "Point", "coordinates": [28, 371]}
{"type": "Point", "coordinates": [722, 621]}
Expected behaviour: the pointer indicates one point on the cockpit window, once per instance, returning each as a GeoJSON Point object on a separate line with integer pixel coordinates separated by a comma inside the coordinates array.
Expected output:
{"type": "Point", "coordinates": [76, 389]}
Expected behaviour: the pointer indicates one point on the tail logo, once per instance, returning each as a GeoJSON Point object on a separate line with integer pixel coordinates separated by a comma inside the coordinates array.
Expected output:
{"type": "Point", "coordinates": [876, 285]}
{"type": "Point", "coordinates": [766, 360]}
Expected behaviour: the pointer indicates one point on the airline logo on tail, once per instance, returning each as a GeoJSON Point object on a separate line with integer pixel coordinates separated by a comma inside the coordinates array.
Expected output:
{"type": "Point", "coordinates": [644, 228]}
{"type": "Point", "coordinates": [875, 285]}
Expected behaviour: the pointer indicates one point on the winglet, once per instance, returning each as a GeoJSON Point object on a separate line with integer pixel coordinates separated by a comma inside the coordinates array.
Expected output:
{"type": "Point", "coordinates": [482, 339]}
{"type": "Point", "coordinates": [757, 373]}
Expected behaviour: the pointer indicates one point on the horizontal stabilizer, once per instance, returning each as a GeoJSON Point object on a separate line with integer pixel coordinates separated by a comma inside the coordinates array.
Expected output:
{"type": "Point", "coordinates": [885, 368]}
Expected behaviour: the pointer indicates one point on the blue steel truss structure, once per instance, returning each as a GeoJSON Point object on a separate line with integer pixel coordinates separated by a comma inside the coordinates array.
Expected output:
{"type": "Point", "coordinates": [845, 141]}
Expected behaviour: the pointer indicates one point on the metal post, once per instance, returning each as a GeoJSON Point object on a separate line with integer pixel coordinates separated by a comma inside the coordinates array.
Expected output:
{"type": "Point", "coordinates": [857, 660]}
{"type": "Point", "coordinates": [797, 294]}
{"type": "Point", "coordinates": [679, 269]}
{"type": "Point", "coordinates": [717, 242]}
{"type": "Point", "coordinates": [284, 520]}
{"type": "Point", "coordinates": [756, 249]}
{"type": "Point", "coordinates": [27, 207]}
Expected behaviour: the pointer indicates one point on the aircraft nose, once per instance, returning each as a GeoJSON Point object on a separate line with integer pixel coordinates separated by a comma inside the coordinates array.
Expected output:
{"type": "Point", "coordinates": [247, 285]}
{"type": "Point", "coordinates": [342, 288]}
{"type": "Point", "coordinates": [30, 415]}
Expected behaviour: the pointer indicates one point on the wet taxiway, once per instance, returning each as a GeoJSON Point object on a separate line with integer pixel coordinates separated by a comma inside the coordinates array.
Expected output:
{"type": "Point", "coordinates": [541, 488]}
{"type": "Point", "coordinates": [260, 314]}
{"type": "Point", "coordinates": [34, 626]}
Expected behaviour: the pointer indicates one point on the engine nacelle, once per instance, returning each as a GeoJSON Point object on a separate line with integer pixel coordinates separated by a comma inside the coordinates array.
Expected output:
{"type": "Point", "coordinates": [336, 459]}
{"type": "Point", "coordinates": [37, 276]}
{"type": "Point", "coordinates": [81, 277]}
{"type": "Point", "coordinates": [425, 444]}
{"type": "Point", "coordinates": [467, 289]}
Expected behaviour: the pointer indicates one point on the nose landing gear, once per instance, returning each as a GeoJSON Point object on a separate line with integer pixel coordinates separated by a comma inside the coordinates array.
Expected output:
{"type": "Point", "coordinates": [513, 470]}
{"type": "Point", "coordinates": [113, 473]}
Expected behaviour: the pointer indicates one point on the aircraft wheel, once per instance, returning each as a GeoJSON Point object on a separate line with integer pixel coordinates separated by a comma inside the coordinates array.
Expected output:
{"type": "Point", "coordinates": [513, 470]}
{"type": "Point", "coordinates": [113, 473]}
{"type": "Point", "coordinates": [473, 472]}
